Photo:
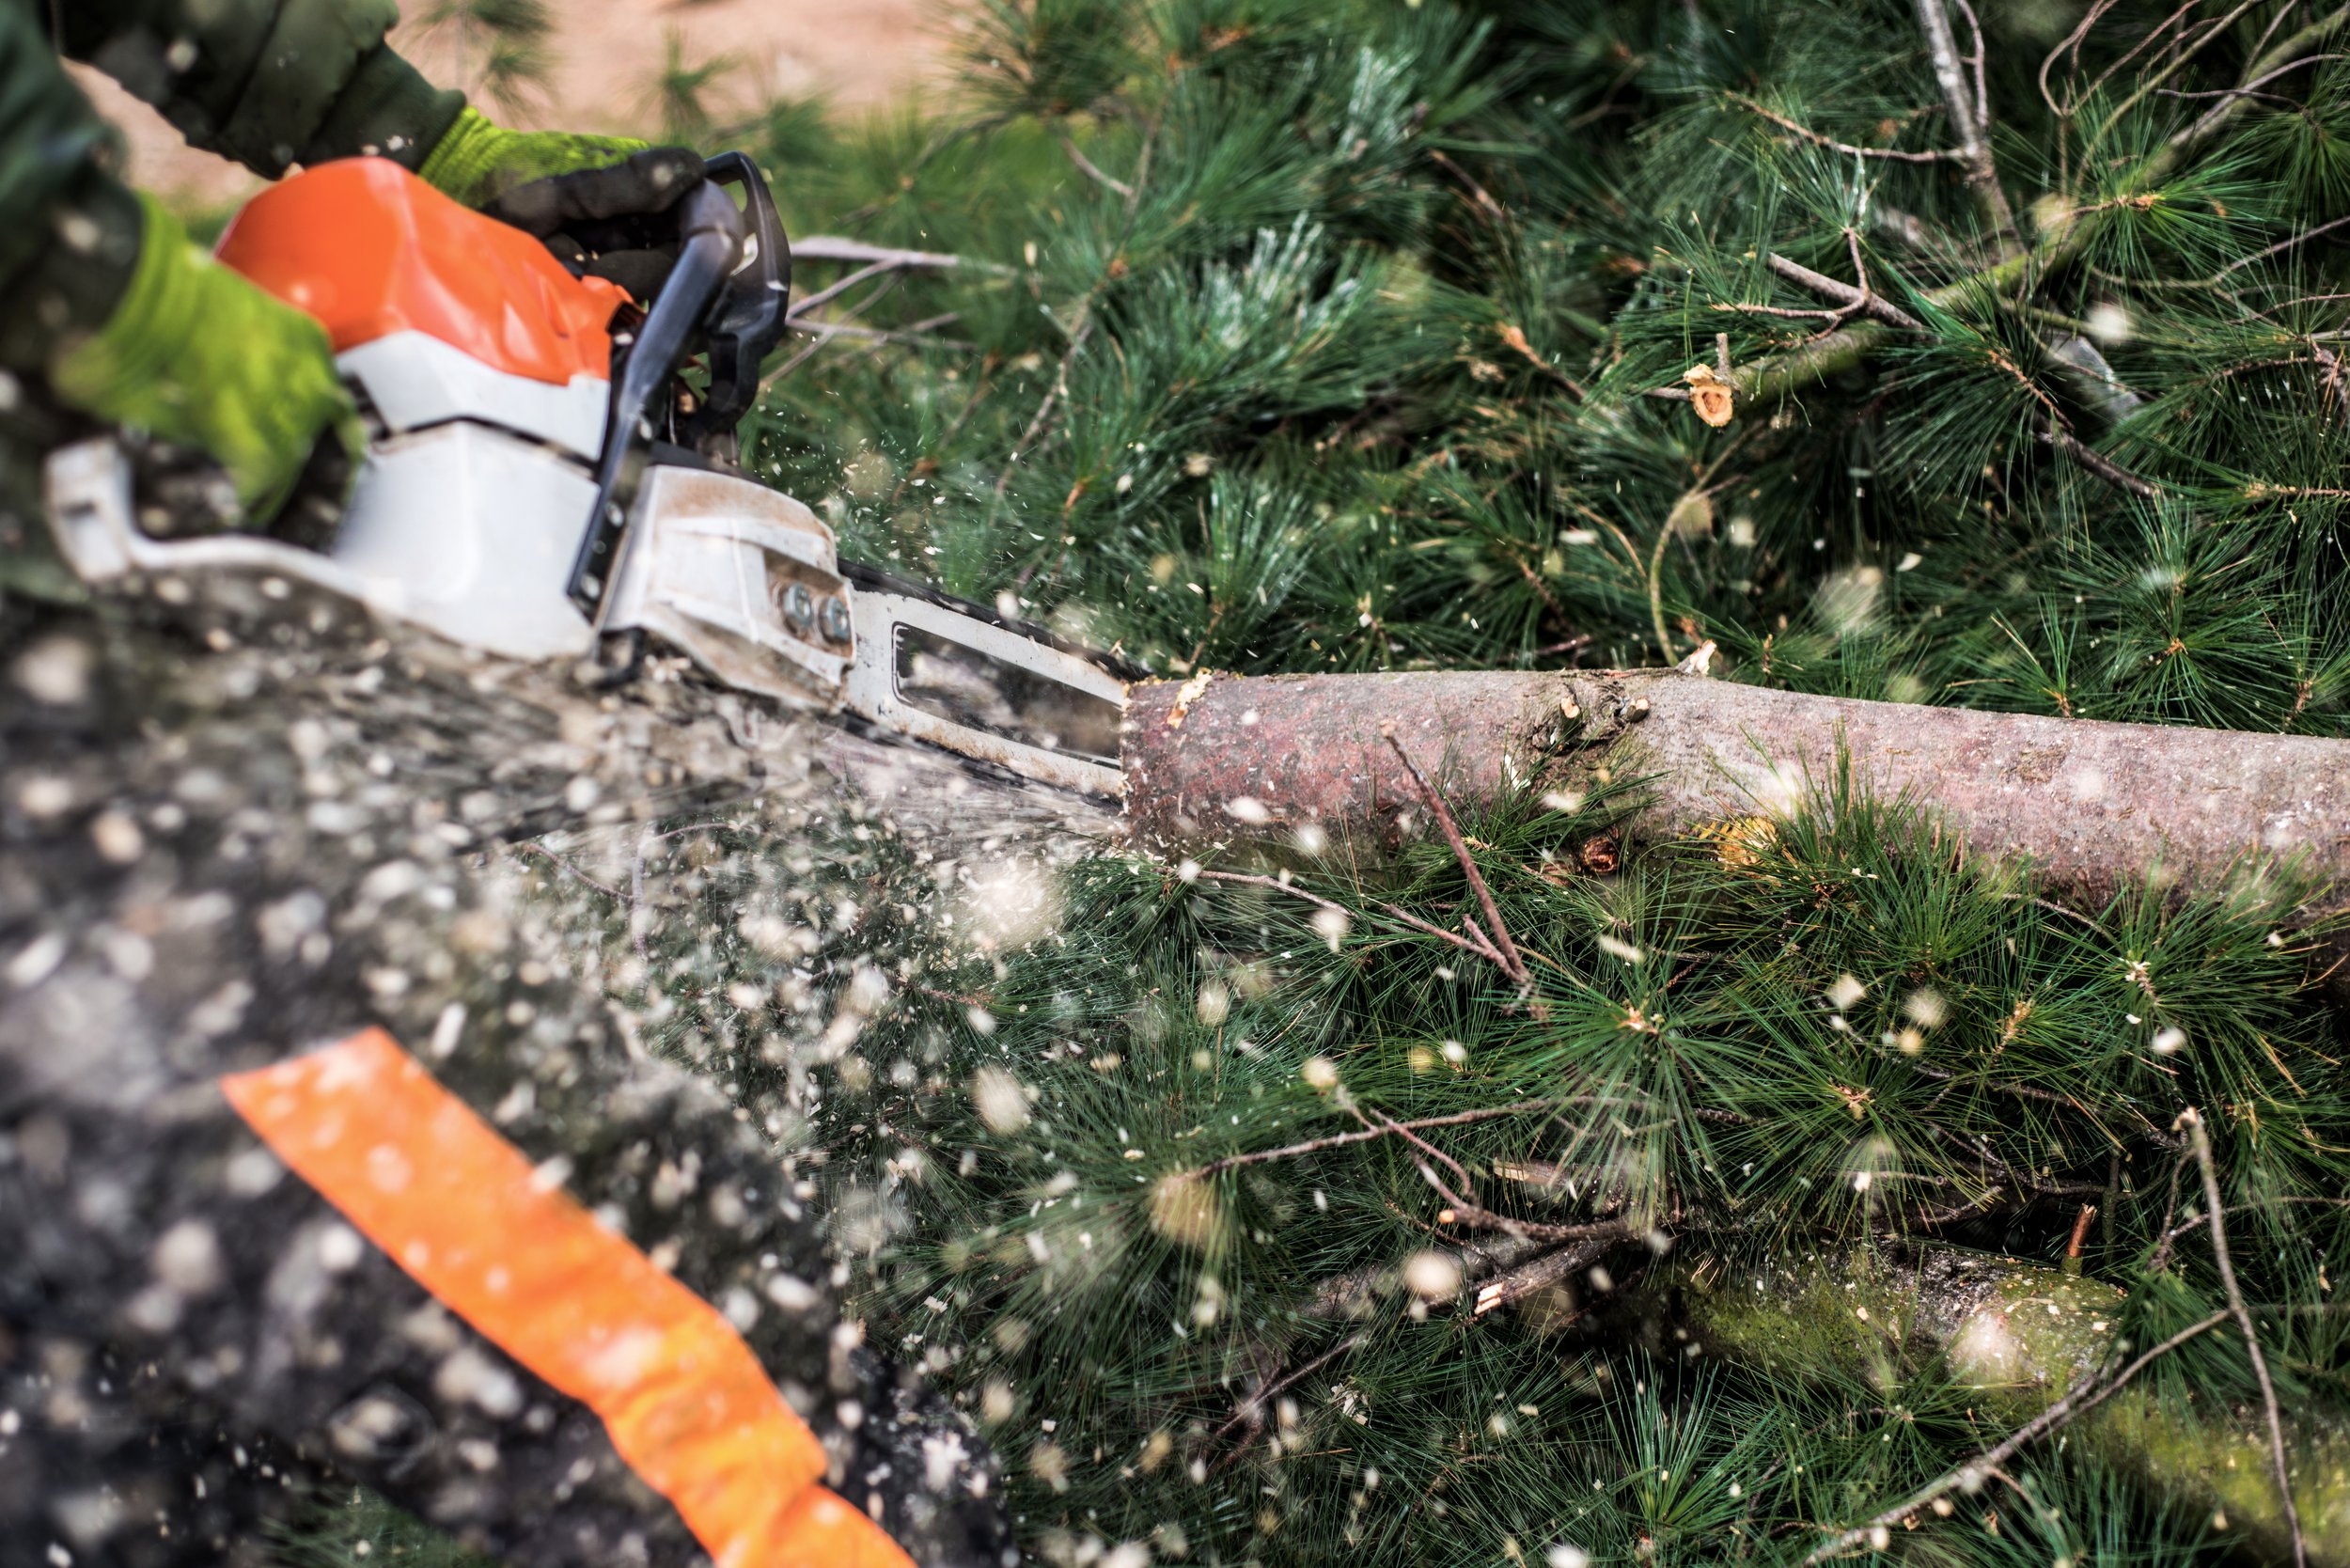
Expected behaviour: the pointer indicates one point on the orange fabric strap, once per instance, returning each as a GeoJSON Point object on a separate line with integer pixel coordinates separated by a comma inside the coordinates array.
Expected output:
{"type": "Point", "coordinates": [687, 1404]}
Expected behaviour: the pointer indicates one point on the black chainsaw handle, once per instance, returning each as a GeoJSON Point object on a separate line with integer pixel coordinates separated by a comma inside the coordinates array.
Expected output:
{"type": "Point", "coordinates": [751, 316]}
{"type": "Point", "coordinates": [711, 234]}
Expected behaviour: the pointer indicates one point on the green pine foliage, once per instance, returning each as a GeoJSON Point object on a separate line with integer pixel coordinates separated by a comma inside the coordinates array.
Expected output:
{"type": "Point", "coordinates": [1338, 357]}
{"type": "Point", "coordinates": [1116, 1221]}
{"type": "Point", "coordinates": [502, 46]}
{"type": "Point", "coordinates": [1296, 337]}
{"type": "Point", "coordinates": [1329, 334]}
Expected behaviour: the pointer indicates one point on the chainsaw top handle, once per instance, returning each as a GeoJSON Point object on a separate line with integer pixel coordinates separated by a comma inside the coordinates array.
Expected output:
{"type": "Point", "coordinates": [729, 291]}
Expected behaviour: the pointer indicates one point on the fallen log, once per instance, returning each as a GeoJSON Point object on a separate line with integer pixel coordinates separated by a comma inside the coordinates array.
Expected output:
{"type": "Point", "coordinates": [2020, 1338]}
{"type": "Point", "coordinates": [2094, 805]}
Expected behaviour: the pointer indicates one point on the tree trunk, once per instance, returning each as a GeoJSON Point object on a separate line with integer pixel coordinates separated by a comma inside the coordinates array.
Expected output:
{"type": "Point", "coordinates": [2097, 805]}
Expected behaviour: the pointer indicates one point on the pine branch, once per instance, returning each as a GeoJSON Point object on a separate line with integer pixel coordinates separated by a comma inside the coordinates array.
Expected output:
{"type": "Point", "coordinates": [1770, 377]}
{"type": "Point", "coordinates": [1941, 155]}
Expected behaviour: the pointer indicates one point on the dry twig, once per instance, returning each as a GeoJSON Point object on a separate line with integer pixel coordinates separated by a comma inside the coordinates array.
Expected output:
{"type": "Point", "coordinates": [1501, 949]}
{"type": "Point", "coordinates": [2199, 1140]}
{"type": "Point", "coordinates": [1864, 300]}
{"type": "Point", "coordinates": [1893, 154]}
{"type": "Point", "coordinates": [1971, 117]}
{"type": "Point", "coordinates": [1540, 1274]}
{"type": "Point", "coordinates": [1340, 1140]}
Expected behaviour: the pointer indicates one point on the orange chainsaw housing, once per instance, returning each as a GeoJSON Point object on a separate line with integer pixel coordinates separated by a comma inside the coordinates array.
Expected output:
{"type": "Point", "coordinates": [370, 249]}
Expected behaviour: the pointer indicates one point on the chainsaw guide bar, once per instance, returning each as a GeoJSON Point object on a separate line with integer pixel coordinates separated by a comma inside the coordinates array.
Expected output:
{"type": "Point", "coordinates": [513, 500]}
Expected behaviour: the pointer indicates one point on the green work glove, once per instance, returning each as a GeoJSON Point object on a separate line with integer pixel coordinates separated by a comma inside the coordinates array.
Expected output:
{"type": "Point", "coordinates": [197, 355]}
{"type": "Point", "coordinates": [594, 201]}
{"type": "Point", "coordinates": [478, 162]}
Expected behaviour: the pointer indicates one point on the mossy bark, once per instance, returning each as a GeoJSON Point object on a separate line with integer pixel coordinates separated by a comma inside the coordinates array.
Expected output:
{"type": "Point", "coordinates": [2022, 1335]}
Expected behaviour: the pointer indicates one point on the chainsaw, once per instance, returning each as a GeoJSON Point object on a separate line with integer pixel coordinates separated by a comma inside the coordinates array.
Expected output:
{"type": "Point", "coordinates": [544, 481]}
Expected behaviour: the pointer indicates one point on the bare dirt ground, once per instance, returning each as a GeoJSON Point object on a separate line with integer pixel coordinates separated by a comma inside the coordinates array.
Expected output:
{"type": "Point", "coordinates": [858, 53]}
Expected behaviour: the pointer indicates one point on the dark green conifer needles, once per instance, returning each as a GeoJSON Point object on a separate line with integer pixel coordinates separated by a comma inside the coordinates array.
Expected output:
{"type": "Point", "coordinates": [1259, 1219]}
{"type": "Point", "coordinates": [1291, 337]}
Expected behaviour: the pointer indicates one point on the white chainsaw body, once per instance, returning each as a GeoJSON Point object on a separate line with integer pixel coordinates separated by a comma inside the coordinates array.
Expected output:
{"type": "Point", "coordinates": [471, 504]}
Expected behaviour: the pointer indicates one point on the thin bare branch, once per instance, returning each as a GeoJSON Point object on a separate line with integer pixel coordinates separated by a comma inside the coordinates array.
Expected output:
{"type": "Point", "coordinates": [1862, 300]}
{"type": "Point", "coordinates": [1251, 1409]}
{"type": "Point", "coordinates": [833, 247]}
{"type": "Point", "coordinates": [1391, 1124]}
{"type": "Point", "coordinates": [832, 291]}
{"type": "Point", "coordinates": [2096, 462]}
{"type": "Point", "coordinates": [2198, 1221]}
{"type": "Point", "coordinates": [2177, 63]}
{"type": "Point", "coordinates": [1506, 949]}
{"type": "Point", "coordinates": [1493, 210]}
{"type": "Point", "coordinates": [605, 888]}
{"type": "Point", "coordinates": [821, 332]}
{"type": "Point", "coordinates": [1971, 119]}
{"type": "Point", "coordinates": [2304, 235]}
{"type": "Point", "coordinates": [1093, 171]}
{"type": "Point", "coordinates": [2228, 106]}
{"type": "Point", "coordinates": [1044, 416]}
{"type": "Point", "coordinates": [1892, 155]}
{"type": "Point", "coordinates": [1252, 880]}
{"type": "Point", "coordinates": [1043, 421]}
{"type": "Point", "coordinates": [2072, 41]}
{"type": "Point", "coordinates": [2152, 37]}
{"type": "Point", "coordinates": [1341, 1141]}
{"type": "Point", "coordinates": [1480, 949]}
{"type": "Point", "coordinates": [2199, 1140]}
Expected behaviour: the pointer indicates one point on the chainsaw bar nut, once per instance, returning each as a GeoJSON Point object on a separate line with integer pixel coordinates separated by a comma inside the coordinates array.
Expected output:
{"type": "Point", "coordinates": [837, 623]}
{"type": "Point", "coordinates": [799, 608]}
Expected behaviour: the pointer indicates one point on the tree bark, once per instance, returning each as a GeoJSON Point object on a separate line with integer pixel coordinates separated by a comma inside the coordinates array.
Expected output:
{"type": "Point", "coordinates": [2095, 806]}
{"type": "Point", "coordinates": [2018, 1336]}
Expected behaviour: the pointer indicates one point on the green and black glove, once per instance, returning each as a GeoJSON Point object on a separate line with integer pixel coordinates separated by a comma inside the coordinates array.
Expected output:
{"type": "Point", "coordinates": [594, 201]}
{"type": "Point", "coordinates": [198, 356]}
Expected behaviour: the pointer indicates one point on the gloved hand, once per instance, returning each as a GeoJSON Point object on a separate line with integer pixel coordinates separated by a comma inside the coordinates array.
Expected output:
{"type": "Point", "coordinates": [198, 356]}
{"type": "Point", "coordinates": [589, 198]}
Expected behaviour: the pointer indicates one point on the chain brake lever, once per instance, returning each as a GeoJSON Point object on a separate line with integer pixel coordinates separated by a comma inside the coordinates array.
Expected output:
{"type": "Point", "coordinates": [711, 234]}
{"type": "Point", "coordinates": [750, 316]}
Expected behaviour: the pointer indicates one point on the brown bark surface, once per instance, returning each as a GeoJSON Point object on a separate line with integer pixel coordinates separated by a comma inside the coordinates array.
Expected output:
{"type": "Point", "coordinates": [2094, 804]}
